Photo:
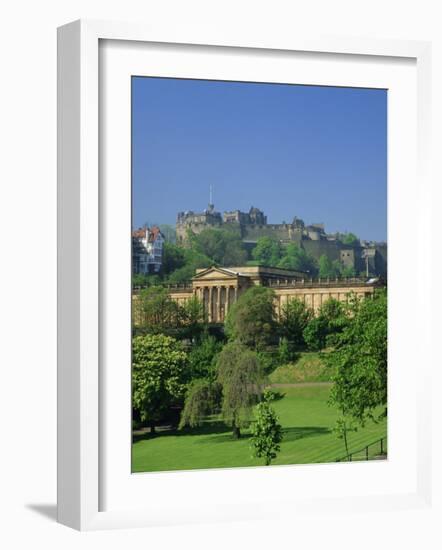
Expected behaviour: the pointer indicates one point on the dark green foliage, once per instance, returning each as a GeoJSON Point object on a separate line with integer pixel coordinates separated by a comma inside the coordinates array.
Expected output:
{"type": "Point", "coordinates": [328, 269]}
{"type": "Point", "coordinates": [241, 376]}
{"type": "Point", "coordinates": [266, 431]}
{"type": "Point", "coordinates": [360, 360]}
{"type": "Point", "coordinates": [192, 319]}
{"type": "Point", "coordinates": [143, 280]}
{"type": "Point", "coordinates": [267, 251]}
{"type": "Point", "coordinates": [295, 257]}
{"type": "Point", "coordinates": [156, 309]}
{"type": "Point", "coordinates": [192, 261]}
{"type": "Point", "coordinates": [348, 272]}
{"type": "Point", "coordinates": [158, 375]}
{"type": "Point", "coordinates": [223, 247]}
{"type": "Point", "coordinates": [323, 329]}
{"type": "Point", "coordinates": [251, 320]}
{"type": "Point", "coordinates": [202, 358]}
{"type": "Point", "coordinates": [349, 239]}
{"type": "Point", "coordinates": [295, 316]}
{"type": "Point", "coordinates": [173, 258]}
{"type": "Point", "coordinates": [203, 397]}
{"type": "Point", "coordinates": [285, 353]}
{"type": "Point", "coordinates": [315, 333]}
{"type": "Point", "coordinates": [269, 358]}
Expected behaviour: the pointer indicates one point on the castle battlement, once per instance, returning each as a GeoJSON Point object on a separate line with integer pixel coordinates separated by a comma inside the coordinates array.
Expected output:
{"type": "Point", "coordinates": [366, 256]}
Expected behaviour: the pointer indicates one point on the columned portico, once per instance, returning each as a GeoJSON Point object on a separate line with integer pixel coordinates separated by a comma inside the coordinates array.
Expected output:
{"type": "Point", "coordinates": [219, 288]}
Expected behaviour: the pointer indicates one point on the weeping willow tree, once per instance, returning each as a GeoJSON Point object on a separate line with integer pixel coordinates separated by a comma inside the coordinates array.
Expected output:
{"type": "Point", "coordinates": [202, 399]}
{"type": "Point", "coordinates": [241, 376]}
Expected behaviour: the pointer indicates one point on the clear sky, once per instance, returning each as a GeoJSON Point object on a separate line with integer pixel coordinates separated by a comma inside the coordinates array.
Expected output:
{"type": "Point", "coordinates": [318, 153]}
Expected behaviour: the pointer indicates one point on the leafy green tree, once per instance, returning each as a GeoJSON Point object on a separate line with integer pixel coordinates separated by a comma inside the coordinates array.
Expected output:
{"type": "Point", "coordinates": [145, 279]}
{"type": "Point", "coordinates": [337, 315]}
{"type": "Point", "coordinates": [158, 375]}
{"type": "Point", "coordinates": [156, 309]}
{"type": "Point", "coordinates": [348, 271]}
{"type": "Point", "coordinates": [295, 257]}
{"type": "Point", "coordinates": [192, 261]}
{"type": "Point", "coordinates": [330, 321]}
{"type": "Point", "coordinates": [266, 431]}
{"type": "Point", "coordinates": [294, 318]}
{"type": "Point", "coordinates": [251, 320]}
{"type": "Point", "coordinates": [285, 353]}
{"type": "Point", "coordinates": [192, 318]}
{"type": "Point", "coordinates": [349, 239]}
{"type": "Point", "coordinates": [202, 358]}
{"type": "Point", "coordinates": [360, 361]}
{"type": "Point", "coordinates": [223, 247]}
{"type": "Point", "coordinates": [326, 268]}
{"type": "Point", "coordinates": [267, 251]}
{"type": "Point", "coordinates": [315, 333]}
{"type": "Point", "coordinates": [337, 268]}
{"type": "Point", "coordinates": [202, 399]}
{"type": "Point", "coordinates": [242, 379]}
{"type": "Point", "coordinates": [173, 258]}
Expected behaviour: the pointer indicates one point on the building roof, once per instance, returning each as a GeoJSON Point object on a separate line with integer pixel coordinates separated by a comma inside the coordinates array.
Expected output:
{"type": "Point", "coordinates": [154, 233]}
{"type": "Point", "coordinates": [139, 233]}
{"type": "Point", "coordinates": [144, 232]}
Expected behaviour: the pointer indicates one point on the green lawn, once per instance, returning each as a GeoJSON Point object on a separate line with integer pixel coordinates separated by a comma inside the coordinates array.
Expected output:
{"type": "Point", "coordinates": [307, 423]}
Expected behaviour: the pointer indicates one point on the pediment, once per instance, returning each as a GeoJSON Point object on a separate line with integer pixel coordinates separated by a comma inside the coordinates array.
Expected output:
{"type": "Point", "coordinates": [215, 273]}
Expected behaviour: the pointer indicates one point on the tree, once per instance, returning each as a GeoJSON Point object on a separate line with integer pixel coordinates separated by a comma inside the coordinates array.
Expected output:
{"type": "Point", "coordinates": [242, 379]}
{"type": "Point", "coordinates": [349, 239]}
{"type": "Point", "coordinates": [348, 271]}
{"type": "Point", "coordinates": [173, 258]}
{"type": "Point", "coordinates": [267, 251]}
{"type": "Point", "coordinates": [156, 309]}
{"type": "Point", "coordinates": [192, 317]}
{"type": "Point", "coordinates": [223, 247]}
{"type": "Point", "coordinates": [295, 257]}
{"type": "Point", "coordinates": [251, 320]}
{"type": "Point", "coordinates": [202, 398]}
{"type": "Point", "coordinates": [202, 358]}
{"type": "Point", "coordinates": [295, 316]}
{"type": "Point", "coordinates": [266, 431]}
{"type": "Point", "coordinates": [145, 279]}
{"type": "Point", "coordinates": [158, 375]}
{"type": "Point", "coordinates": [323, 329]}
{"type": "Point", "coordinates": [315, 333]}
{"type": "Point", "coordinates": [336, 314]}
{"type": "Point", "coordinates": [327, 268]}
{"type": "Point", "coordinates": [192, 261]}
{"type": "Point", "coordinates": [360, 361]}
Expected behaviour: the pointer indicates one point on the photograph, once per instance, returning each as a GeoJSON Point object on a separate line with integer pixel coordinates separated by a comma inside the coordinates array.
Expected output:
{"type": "Point", "coordinates": [259, 274]}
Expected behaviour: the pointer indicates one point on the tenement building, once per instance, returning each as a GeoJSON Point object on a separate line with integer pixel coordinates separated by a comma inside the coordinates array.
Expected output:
{"type": "Point", "coordinates": [147, 250]}
{"type": "Point", "coordinates": [365, 256]}
{"type": "Point", "coordinates": [218, 288]}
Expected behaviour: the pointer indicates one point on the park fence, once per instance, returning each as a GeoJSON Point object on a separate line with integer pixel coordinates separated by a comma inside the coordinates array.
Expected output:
{"type": "Point", "coordinates": [373, 451]}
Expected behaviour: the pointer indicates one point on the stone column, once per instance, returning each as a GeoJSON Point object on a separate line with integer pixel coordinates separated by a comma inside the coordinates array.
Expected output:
{"type": "Point", "coordinates": [210, 309]}
{"type": "Point", "coordinates": [236, 294]}
{"type": "Point", "coordinates": [218, 303]}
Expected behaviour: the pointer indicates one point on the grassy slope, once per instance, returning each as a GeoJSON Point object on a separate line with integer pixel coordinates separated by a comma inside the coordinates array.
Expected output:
{"type": "Point", "coordinates": [307, 422]}
{"type": "Point", "coordinates": [308, 368]}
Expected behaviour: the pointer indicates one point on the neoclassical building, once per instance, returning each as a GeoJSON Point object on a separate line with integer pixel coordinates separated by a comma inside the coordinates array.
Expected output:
{"type": "Point", "coordinates": [218, 288]}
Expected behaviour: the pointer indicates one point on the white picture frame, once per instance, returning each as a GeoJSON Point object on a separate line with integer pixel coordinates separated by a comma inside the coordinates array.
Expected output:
{"type": "Point", "coordinates": [83, 299]}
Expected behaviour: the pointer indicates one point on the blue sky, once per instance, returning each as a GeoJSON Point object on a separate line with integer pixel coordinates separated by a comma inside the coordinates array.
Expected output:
{"type": "Point", "coordinates": [318, 153]}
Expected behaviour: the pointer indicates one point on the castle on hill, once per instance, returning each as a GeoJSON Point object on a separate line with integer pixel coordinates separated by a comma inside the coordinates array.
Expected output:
{"type": "Point", "coordinates": [362, 256]}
